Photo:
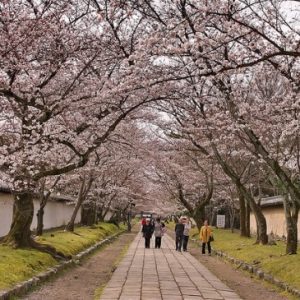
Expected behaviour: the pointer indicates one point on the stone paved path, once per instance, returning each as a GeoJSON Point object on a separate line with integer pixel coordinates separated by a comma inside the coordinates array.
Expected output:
{"type": "Point", "coordinates": [154, 274]}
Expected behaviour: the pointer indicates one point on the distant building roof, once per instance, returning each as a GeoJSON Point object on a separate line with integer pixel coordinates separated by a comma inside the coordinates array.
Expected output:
{"type": "Point", "coordinates": [272, 201]}
{"type": "Point", "coordinates": [4, 190]}
{"type": "Point", "coordinates": [53, 197]}
{"type": "Point", "coordinates": [4, 186]}
{"type": "Point", "coordinates": [65, 198]}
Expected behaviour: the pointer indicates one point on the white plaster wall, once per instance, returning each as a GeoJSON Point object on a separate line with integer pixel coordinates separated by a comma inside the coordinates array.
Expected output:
{"type": "Point", "coordinates": [108, 216]}
{"type": "Point", "coordinates": [6, 209]}
{"type": "Point", "coordinates": [56, 213]}
{"type": "Point", "coordinates": [275, 221]}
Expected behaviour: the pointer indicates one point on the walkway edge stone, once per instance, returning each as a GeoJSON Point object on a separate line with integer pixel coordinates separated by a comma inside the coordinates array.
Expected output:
{"type": "Point", "coordinates": [258, 272]}
{"type": "Point", "coordinates": [23, 287]}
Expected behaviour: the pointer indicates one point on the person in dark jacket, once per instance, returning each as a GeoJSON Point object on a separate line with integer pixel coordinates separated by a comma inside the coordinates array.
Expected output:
{"type": "Point", "coordinates": [147, 231]}
{"type": "Point", "coordinates": [179, 228]}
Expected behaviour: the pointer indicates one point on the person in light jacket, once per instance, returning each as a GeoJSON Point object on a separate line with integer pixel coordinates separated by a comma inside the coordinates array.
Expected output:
{"type": "Point", "coordinates": [158, 232]}
{"type": "Point", "coordinates": [205, 236]}
{"type": "Point", "coordinates": [186, 233]}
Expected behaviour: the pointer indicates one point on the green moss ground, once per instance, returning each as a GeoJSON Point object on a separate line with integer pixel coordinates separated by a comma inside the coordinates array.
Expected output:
{"type": "Point", "coordinates": [20, 264]}
{"type": "Point", "coordinates": [17, 265]}
{"type": "Point", "coordinates": [272, 259]}
{"type": "Point", "coordinates": [72, 243]}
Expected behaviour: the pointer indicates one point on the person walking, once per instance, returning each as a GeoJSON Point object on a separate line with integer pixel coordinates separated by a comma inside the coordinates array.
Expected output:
{"type": "Point", "coordinates": [186, 233]}
{"type": "Point", "coordinates": [179, 228]}
{"type": "Point", "coordinates": [158, 232]}
{"type": "Point", "coordinates": [205, 237]}
{"type": "Point", "coordinates": [147, 231]}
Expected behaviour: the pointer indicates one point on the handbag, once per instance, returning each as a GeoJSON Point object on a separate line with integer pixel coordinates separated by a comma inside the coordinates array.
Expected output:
{"type": "Point", "coordinates": [211, 238]}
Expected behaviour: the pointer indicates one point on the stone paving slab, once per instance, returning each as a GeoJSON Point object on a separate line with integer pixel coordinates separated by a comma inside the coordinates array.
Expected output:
{"type": "Point", "coordinates": [163, 274]}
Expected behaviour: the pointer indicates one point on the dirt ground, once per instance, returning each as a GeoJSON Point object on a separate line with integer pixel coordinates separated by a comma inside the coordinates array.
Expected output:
{"type": "Point", "coordinates": [80, 282]}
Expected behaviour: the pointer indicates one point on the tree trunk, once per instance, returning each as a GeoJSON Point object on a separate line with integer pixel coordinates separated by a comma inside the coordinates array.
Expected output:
{"type": "Point", "coordinates": [43, 202]}
{"type": "Point", "coordinates": [243, 226]}
{"type": "Point", "coordinates": [104, 209]}
{"type": "Point", "coordinates": [199, 215]}
{"type": "Point", "coordinates": [20, 233]}
{"type": "Point", "coordinates": [108, 206]}
{"type": "Point", "coordinates": [262, 236]}
{"type": "Point", "coordinates": [116, 217]}
{"type": "Point", "coordinates": [295, 214]}
{"type": "Point", "coordinates": [129, 221]}
{"type": "Point", "coordinates": [40, 221]}
{"type": "Point", "coordinates": [232, 217]}
{"type": "Point", "coordinates": [257, 232]}
{"type": "Point", "coordinates": [260, 218]}
{"type": "Point", "coordinates": [88, 214]}
{"type": "Point", "coordinates": [198, 212]}
{"type": "Point", "coordinates": [291, 228]}
{"type": "Point", "coordinates": [247, 220]}
{"type": "Point", "coordinates": [40, 213]}
{"type": "Point", "coordinates": [80, 198]}
{"type": "Point", "coordinates": [70, 226]}
{"type": "Point", "coordinates": [83, 191]}
{"type": "Point", "coordinates": [100, 215]}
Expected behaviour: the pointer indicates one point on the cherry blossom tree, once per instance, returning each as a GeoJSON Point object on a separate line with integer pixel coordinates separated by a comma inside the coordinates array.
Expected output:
{"type": "Point", "coordinates": [64, 88]}
{"type": "Point", "coordinates": [227, 42]}
{"type": "Point", "coordinates": [72, 73]}
{"type": "Point", "coordinates": [183, 175]}
{"type": "Point", "coordinates": [257, 108]}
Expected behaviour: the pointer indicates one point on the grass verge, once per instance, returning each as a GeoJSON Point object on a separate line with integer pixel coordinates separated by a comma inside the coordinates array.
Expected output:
{"type": "Point", "coordinates": [271, 259]}
{"type": "Point", "coordinates": [17, 265]}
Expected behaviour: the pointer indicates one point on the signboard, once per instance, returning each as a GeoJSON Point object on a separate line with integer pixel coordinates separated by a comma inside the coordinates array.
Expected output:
{"type": "Point", "coordinates": [221, 221]}
{"type": "Point", "coordinates": [148, 214]}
